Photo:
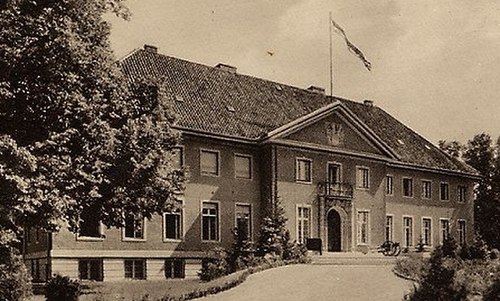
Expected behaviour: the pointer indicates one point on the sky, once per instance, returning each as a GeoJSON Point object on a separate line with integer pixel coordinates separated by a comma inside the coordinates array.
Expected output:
{"type": "Point", "coordinates": [435, 64]}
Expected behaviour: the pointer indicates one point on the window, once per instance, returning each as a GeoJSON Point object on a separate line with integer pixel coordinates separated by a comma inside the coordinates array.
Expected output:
{"type": "Point", "coordinates": [363, 177]}
{"type": "Point", "coordinates": [444, 232]}
{"type": "Point", "coordinates": [134, 227]}
{"type": "Point", "coordinates": [90, 225]}
{"type": "Point", "coordinates": [462, 194]}
{"type": "Point", "coordinates": [209, 161]}
{"type": "Point", "coordinates": [243, 220]}
{"type": "Point", "coordinates": [461, 231]}
{"type": "Point", "coordinates": [389, 185]}
{"type": "Point", "coordinates": [303, 170]}
{"type": "Point", "coordinates": [407, 231]}
{"type": "Point", "coordinates": [172, 224]}
{"type": "Point", "coordinates": [135, 268]}
{"type": "Point", "coordinates": [35, 270]}
{"type": "Point", "coordinates": [363, 224]}
{"type": "Point", "coordinates": [90, 269]}
{"type": "Point", "coordinates": [242, 166]}
{"type": "Point", "coordinates": [389, 226]}
{"type": "Point", "coordinates": [426, 189]}
{"type": "Point", "coordinates": [426, 231]}
{"type": "Point", "coordinates": [303, 224]}
{"type": "Point", "coordinates": [408, 187]}
{"type": "Point", "coordinates": [444, 191]}
{"type": "Point", "coordinates": [174, 268]}
{"type": "Point", "coordinates": [210, 222]}
{"type": "Point", "coordinates": [177, 158]}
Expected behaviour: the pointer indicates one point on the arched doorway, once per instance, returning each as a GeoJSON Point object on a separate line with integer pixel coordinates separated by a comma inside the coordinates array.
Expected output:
{"type": "Point", "coordinates": [334, 231]}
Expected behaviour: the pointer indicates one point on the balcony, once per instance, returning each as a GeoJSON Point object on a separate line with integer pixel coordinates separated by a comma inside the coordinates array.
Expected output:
{"type": "Point", "coordinates": [338, 190]}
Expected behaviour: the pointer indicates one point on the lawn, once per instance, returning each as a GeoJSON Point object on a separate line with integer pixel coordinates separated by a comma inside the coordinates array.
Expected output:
{"type": "Point", "coordinates": [135, 290]}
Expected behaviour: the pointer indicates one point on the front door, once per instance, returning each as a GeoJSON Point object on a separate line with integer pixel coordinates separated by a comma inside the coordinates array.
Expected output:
{"type": "Point", "coordinates": [334, 231]}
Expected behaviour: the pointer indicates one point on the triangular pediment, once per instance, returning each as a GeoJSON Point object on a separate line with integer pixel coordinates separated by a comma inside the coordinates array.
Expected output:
{"type": "Point", "coordinates": [334, 127]}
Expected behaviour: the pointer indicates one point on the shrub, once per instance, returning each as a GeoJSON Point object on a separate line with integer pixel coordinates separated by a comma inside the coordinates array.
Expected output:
{"type": "Point", "coordinates": [449, 248]}
{"type": "Point", "coordinates": [438, 282]}
{"type": "Point", "coordinates": [62, 288]}
{"type": "Point", "coordinates": [241, 254]}
{"type": "Point", "coordinates": [493, 292]}
{"type": "Point", "coordinates": [215, 266]}
{"type": "Point", "coordinates": [295, 252]}
{"type": "Point", "coordinates": [410, 267]}
{"type": "Point", "coordinates": [14, 279]}
{"type": "Point", "coordinates": [478, 250]}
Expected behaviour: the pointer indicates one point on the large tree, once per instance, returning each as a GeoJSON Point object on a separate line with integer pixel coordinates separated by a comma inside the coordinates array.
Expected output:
{"type": "Point", "coordinates": [74, 134]}
{"type": "Point", "coordinates": [482, 154]}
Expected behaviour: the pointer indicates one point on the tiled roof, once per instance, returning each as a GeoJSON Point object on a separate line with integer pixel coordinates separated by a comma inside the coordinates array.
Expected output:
{"type": "Point", "coordinates": [208, 96]}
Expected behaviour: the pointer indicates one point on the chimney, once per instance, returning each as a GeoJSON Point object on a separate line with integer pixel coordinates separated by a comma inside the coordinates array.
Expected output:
{"type": "Point", "coordinates": [368, 102]}
{"type": "Point", "coordinates": [151, 48]}
{"type": "Point", "coordinates": [316, 89]}
{"type": "Point", "coordinates": [225, 67]}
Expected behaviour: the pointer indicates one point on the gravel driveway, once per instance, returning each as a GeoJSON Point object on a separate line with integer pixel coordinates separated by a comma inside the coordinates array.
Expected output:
{"type": "Point", "coordinates": [313, 282]}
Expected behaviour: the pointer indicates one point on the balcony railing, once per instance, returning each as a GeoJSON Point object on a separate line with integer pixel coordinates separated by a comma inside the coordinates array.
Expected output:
{"type": "Point", "coordinates": [341, 190]}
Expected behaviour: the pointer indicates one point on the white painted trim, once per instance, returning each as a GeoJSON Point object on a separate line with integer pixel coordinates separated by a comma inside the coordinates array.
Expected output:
{"type": "Point", "coordinates": [392, 226]}
{"type": "Point", "coordinates": [251, 217]}
{"type": "Point", "coordinates": [412, 230]}
{"type": "Point", "coordinates": [441, 237]}
{"type": "Point", "coordinates": [431, 238]}
{"type": "Point", "coordinates": [131, 239]}
{"type": "Point", "coordinates": [297, 206]}
{"type": "Point", "coordinates": [458, 229]}
{"type": "Point", "coordinates": [458, 194]}
{"type": "Point", "coordinates": [422, 190]}
{"type": "Point", "coordinates": [341, 169]}
{"type": "Point", "coordinates": [392, 185]}
{"type": "Point", "coordinates": [297, 159]}
{"type": "Point", "coordinates": [403, 187]}
{"type": "Point", "coordinates": [219, 162]}
{"type": "Point", "coordinates": [91, 238]}
{"type": "Point", "coordinates": [218, 221]}
{"type": "Point", "coordinates": [368, 230]}
{"type": "Point", "coordinates": [251, 165]}
{"type": "Point", "coordinates": [448, 184]}
{"type": "Point", "coordinates": [97, 253]}
{"type": "Point", "coordinates": [164, 225]}
{"type": "Point", "coordinates": [359, 167]}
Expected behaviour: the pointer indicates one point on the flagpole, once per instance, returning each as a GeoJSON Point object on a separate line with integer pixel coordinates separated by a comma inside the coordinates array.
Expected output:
{"type": "Point", "coordinates": [331, 54]}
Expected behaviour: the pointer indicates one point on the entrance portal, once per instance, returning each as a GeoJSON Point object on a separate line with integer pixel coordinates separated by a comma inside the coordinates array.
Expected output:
{"type": "Point", "coordinates": [334, 231]}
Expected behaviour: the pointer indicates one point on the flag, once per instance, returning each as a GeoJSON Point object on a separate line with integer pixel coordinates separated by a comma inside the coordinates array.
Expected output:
{"type": "Point", "coordinates": [353, 49]}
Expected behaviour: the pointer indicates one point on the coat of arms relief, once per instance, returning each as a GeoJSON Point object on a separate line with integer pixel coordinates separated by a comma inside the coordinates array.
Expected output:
{"type": "Point", "coordinates": [334, 133]}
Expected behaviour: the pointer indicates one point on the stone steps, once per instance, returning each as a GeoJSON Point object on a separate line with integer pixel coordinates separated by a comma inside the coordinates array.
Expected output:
{"type": "Point", "coordinates": [352, 259]}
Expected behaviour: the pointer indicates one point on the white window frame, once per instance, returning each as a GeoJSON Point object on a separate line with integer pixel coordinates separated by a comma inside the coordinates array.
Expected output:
{"type": "Point", "coordinates": [219, 163]}
{"type": "Point", "coordinates": [145, 268]}
{"type": "Point", "coordinates": [250, 157]}
{"type": "Point", "coordinates": [297, 159]}
{"type": "Point", "coordinates": [358, 184]}
{"type": "Point", "coordinates": [391, 238]}
{"type": "Point", "coordinates": [391, 193]}
{"type": "Point", "coordinates": [250, 234]}
{"type": "Point", "coordinates": [441, 236]}
{"type": "Point", "coordinates": [423, 190]}
{"type": "Point", "coordinates": [144, 232]}
{"type": "Point", "coordinates": [182, 225]}
{"type": "Point", "coordinates": [430, 242]}
{"type": "Point", "coordinates": [441, 193]}
{"type": "Point", "coordinates": [92, 238]}
{"type": "Point", "coordinates": [340, 169]}
{"type": "Point", "coordinates": [218, 221]}
{"type": "Point", "coordinates": [412, 242]}
{"type": "Point", "coordinates": [412, 188]}
{"type": "Point", "coordinates": [462, 234]}
{"type": "Point", "coordinates": [300, 220]}
{"type": "Point", "coordinates": [459, 194]}
{"type": "Point", "coordinates": [358, 227]}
